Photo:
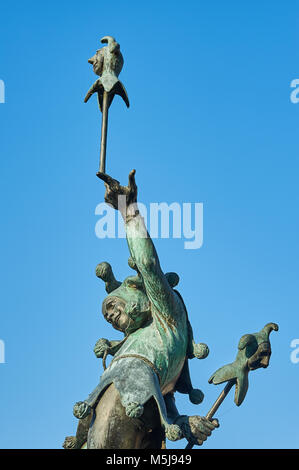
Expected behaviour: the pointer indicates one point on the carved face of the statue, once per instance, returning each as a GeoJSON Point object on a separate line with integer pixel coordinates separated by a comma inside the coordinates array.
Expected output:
{"type": "Point", "coordinates": [127, 308]}
{"type": "Point", "coordinates": [97, 62]}
{"type": "Point", "coordinates": [114, 312]}
{"type": "Point", "coordinates": [261, 357]}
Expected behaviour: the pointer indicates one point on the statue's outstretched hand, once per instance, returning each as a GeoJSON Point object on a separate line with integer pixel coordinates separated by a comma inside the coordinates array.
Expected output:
{"type": "Point", "coordinates": [120, 197]}
{"type": "Point", "coordinates": [196, 429]}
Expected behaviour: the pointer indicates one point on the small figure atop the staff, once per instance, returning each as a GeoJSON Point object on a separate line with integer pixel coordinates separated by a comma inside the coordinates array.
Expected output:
{"type": "Point", "coordinates": [107, 63]}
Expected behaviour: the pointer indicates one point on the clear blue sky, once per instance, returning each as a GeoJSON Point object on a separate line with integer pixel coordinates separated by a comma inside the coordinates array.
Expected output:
{"type": "Point", "coordinates": [210, 121]}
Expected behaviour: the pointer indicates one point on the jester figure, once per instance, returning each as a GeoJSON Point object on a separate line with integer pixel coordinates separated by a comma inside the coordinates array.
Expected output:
{"type": "Point", "coordinates": [133, 406]}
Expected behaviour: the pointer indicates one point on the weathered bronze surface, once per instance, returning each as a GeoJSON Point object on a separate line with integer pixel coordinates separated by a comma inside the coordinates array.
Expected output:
{"type": "Point", "coordinates": [254, 352]}
{"type": "Point", "coordinates": [133, 406]}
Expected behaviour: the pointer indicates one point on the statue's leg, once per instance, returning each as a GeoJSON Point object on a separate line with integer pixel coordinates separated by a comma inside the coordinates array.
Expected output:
{"type": "Point", "coordinates": [76, 442]}
{"type": "Point", "coordinates": [113, 429]}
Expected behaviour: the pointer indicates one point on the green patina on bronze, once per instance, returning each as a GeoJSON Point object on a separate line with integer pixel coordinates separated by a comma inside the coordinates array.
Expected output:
{"type": "Point", "coordinates": [254, 351]}
{"type": "Point", "coordinates": [133, 405]}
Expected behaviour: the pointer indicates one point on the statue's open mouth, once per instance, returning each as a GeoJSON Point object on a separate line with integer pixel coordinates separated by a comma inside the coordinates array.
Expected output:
{"type": "Point", "coordinates": [115, 321]}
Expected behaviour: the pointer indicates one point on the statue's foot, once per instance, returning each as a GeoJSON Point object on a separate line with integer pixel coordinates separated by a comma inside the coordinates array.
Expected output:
{"type": "Point", "coordinates": [81, 410]}
{"type": "Point", "coordinates": [70, 442]}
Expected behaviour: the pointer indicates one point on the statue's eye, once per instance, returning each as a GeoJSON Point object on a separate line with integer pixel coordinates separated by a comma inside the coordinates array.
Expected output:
{"type": "Point", "coordinates": [109, 305]}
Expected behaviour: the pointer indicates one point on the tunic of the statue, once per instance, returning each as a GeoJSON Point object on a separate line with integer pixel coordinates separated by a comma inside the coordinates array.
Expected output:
{"type": "Point", "coordinates": [162, 343]}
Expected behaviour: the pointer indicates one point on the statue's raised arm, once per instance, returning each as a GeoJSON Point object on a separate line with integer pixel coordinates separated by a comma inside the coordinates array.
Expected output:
{"type": "Point", "coordinates": [142, 250]}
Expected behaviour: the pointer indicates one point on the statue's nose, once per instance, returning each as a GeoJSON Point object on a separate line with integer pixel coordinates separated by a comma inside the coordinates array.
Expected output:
{"type": "Point", "coordinates": [109, 317]}
{"type": "Point", "coordinates": [265, 361]}
{"type": "Point", "coordinates": [91, 61]}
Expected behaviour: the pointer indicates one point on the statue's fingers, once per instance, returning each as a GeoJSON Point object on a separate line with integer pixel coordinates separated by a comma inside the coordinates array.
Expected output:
{"type": "Point", "coordinates": [215, 423]}
{"type": "Point", "coordinates": [106, 188]}
{"type": "Point", "coordinates": [207, 431]}
{"type": "Point", "coordinates": [106, 178]}
{"type": "Point", "coordinates": [111, 193]}
{"type": "Point", "coordinates": [197, 439]}
{"type": "Point", "coordinates": [208, 424]}
{"type": "Point", "coordinates": [132, 182]}
{"type": "Point", "coordinates": [110, 183]}
{"type": "Point", "coordinates": [200, 436]}
{"type": "Point", "coordinates": [196, 442]}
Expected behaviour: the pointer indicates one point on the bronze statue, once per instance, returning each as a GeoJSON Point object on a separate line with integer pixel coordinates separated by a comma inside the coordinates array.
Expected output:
{"type": "Point", "coordinates": [133, 406]}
